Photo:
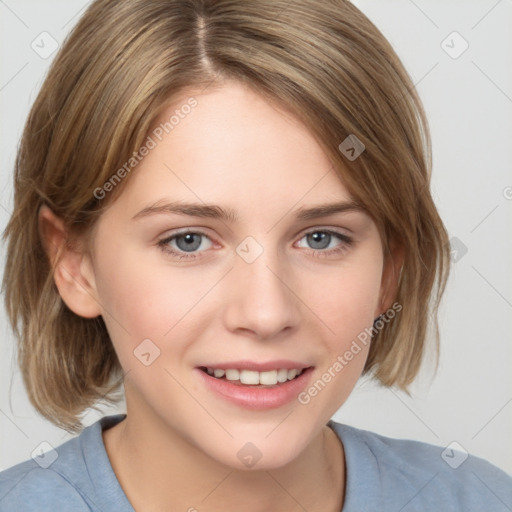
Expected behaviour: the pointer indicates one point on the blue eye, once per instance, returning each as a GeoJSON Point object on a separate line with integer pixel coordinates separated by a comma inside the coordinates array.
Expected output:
{"type": "Point", "coordinates": [319, 239]}
{"type": "Point", "coordinates": [326, 241]}
{"type": "Point", "coordinates": [185, 245]}
{"type": "Point", "coordinates": [190, 244]}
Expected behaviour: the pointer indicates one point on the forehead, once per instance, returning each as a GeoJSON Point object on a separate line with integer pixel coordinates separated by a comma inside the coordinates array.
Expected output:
{"type": "Point", "coordinates": [231, 146]}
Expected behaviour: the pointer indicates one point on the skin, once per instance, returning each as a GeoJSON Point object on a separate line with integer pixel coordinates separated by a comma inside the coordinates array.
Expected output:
{"type": "Point", "coordinates": [177, 448]}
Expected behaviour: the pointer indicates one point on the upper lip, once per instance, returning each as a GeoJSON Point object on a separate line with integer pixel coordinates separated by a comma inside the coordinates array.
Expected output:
{"type": "Point", "coordinates": [258, 366]}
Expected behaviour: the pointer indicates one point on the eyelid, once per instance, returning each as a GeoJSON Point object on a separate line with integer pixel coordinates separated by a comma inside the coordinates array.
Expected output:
{"type": "Point", "coordinates": [184, 231]}
{"type": "Point", "coordinates": [163, 243]}
{"type": "Point", "coordinates": [337, 230]}
{"type": "Point", "coordinates": [346, 241]}
{"type": "Point", "coordinates": [299, 235]}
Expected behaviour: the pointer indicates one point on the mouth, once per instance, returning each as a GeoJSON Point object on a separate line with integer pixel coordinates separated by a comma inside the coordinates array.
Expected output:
{"type": "Point", "coordinates": [256, 386]}
{"type": "Point", "coordinates": [254, 378]}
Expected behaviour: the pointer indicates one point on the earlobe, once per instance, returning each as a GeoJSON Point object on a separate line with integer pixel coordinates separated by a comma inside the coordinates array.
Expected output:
{"type": "Point", "coordinates": [72, 270]}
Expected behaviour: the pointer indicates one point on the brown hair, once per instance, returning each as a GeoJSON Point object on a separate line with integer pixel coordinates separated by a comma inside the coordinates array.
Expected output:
{"type": "Point", "coordinates": [123, 62]}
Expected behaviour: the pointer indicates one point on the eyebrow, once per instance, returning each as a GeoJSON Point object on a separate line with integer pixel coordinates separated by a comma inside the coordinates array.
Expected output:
{"type": "Point", "coordinates": [214, 211]}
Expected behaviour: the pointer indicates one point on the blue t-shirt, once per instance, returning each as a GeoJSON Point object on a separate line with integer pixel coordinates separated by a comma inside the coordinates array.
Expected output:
{"type": "Point", "coordinates": [382, 474]}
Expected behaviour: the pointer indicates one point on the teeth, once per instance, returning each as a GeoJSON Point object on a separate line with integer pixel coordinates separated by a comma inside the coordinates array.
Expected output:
{"type": "Point", "coordinates": [282, 375]}
{"type": "Point", "coordinates": [249, 377]}
{"type": "Point", "coordinates": [253, 378]}
{"type": "Point", "coordinates": [268, 378]}
{"type": "Point", "coordinates": [292, 374]}
{"type": "Point", "coordinates": [232, 375]}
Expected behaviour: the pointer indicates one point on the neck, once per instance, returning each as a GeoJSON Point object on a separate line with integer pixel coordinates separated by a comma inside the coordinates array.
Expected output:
{"type": "Point", "coordinates": [159, 469]}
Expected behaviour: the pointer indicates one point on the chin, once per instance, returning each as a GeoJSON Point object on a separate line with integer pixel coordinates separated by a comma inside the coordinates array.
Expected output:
{"type": "Point", "coordinates": [258, 450]}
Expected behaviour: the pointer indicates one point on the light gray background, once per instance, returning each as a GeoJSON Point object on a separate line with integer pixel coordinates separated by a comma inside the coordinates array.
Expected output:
{"type": "Point", "coordinates": [469, 105]}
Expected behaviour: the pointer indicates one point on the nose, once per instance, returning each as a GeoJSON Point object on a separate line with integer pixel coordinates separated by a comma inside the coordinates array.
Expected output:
{"type": "Point", "coordinates": [261, 297]}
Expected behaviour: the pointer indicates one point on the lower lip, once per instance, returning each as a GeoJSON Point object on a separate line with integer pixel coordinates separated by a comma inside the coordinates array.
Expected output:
{"type": "Point", "coordinates": [255, 397]}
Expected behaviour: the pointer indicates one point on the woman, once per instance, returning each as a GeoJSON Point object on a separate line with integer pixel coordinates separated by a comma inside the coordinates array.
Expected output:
{"type": "Point", "coordinates": [225, 206]}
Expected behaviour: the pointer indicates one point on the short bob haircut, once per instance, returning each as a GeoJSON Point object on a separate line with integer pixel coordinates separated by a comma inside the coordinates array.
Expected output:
{"type": "Point", "coordinates": [123, 63]}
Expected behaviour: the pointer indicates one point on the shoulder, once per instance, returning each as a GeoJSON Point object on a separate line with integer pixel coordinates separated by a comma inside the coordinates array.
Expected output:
{"type": "Point", "coordinates": [76, 477]}
{"type": "Point", "coordinates": [28, 486]}
{"type": "Point", "coordinates": [418, 476]}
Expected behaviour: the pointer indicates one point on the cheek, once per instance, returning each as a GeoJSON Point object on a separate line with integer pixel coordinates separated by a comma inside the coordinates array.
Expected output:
{"type": "Point", "coordinates": [345, 300]}
{"type": "Point", "coordinates": [345, 305]}
{"type": "Point", "coordinates": [143, 298]}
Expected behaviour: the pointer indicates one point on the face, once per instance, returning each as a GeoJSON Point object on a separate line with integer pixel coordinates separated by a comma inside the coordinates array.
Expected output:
{"type": "Point", "coordinates": [215, 258]}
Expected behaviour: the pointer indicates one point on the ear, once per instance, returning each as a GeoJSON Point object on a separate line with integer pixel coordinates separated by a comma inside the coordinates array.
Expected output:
{"type": "Point", "coordinates": [72, 268]}
{"type": "Point", "coordinates": [393, 262]}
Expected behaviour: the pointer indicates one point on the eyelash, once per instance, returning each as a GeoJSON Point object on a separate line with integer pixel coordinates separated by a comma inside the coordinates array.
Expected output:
{"type": "Point", "coordinates": [345, 240]}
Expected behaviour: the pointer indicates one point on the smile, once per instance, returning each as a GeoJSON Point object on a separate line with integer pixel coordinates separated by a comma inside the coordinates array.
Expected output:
{"type": "Point", "coordinates": [253, 377]}
{"type": "Point", "coordinates": [250, 385]}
